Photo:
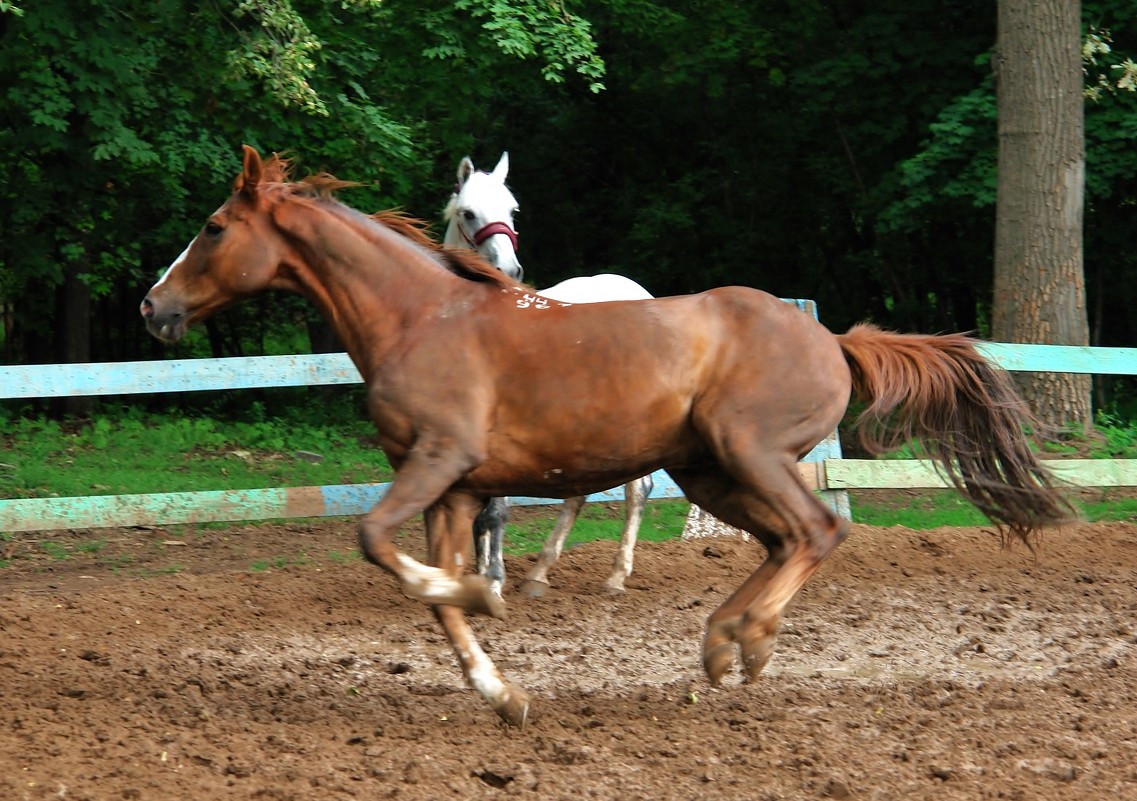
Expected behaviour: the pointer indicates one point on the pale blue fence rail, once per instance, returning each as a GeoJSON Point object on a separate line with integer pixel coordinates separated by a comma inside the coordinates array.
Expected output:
{"type": "Point", "coordinates": [823, 469]}
{"type": "Point", "coordinates": [192, 375]}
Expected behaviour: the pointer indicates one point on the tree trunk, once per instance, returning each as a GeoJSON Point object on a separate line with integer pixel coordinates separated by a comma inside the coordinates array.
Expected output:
{"type": "Point", "coordinates": [1040, 290]}
{"type": "Point", "coordinates": [73, 335]}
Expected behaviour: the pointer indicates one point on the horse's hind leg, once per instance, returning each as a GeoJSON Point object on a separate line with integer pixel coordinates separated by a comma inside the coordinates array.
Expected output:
{"type": "Point", "coordinates": [489, 537]}
{"type": "Point", "coordinates": [635, 501]}
{"type": "Point", "coordinates": [537, 580]}
{"type": "Point", "coordinates": [799, 532]}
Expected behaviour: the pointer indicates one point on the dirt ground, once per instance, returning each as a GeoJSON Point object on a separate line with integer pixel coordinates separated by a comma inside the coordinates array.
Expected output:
{"type": "Point", "coordinates": [269, 662]}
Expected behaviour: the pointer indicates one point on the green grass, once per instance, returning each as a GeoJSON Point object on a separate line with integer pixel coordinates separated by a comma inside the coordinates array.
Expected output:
{"type": "Point", "coordinates": [1118, 509]}
{"type": "Point", "coordinates": [341, 558]}
{"type": "Point", "coordinates": [935, 508]}
{"type": "Point", "coordinates": [278, 562]}
{"type": "Point", "coordinates": [126, 450]}
{"type": "Point", "coordinates": [55, 550]}
{"type": "Point", "coordinates": [148, 453]}
{"type": "Point", "coordinates": [663, 520]}
{"type": "Point", "coordinates": [924, 510]}
{"type": "Point", "coordinates": [168, 570]}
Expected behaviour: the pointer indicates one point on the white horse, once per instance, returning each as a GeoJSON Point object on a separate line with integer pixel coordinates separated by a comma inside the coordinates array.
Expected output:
{"type": "Point", "coordinates": [480, 216]}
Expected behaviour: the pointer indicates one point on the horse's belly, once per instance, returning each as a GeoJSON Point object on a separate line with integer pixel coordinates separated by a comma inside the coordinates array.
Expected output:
{"type": "Point", "coordinates": [583, 455]}
{"type": "Point", "coordinates": [555, 482]}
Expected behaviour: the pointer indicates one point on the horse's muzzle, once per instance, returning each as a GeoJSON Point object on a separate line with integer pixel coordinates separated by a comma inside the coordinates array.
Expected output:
{"type": "Point", "coordinates": [167, 325]}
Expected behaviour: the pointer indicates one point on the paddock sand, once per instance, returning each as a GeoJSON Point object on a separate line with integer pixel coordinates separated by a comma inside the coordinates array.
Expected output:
{"type": "Point", "coordinates": [914, 665]}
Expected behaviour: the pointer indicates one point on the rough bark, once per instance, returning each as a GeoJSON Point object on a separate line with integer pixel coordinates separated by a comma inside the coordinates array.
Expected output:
{"type": "Point", "coordinates": [1040, 292]}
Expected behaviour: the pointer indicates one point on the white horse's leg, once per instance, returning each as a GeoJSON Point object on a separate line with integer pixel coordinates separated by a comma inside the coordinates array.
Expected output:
{"type": "Point", "coordinates": [538, 581]}
{"type": "Point", "coordinates": [489, 536]}
{"type": "Point", "coordinates": [635, 500]}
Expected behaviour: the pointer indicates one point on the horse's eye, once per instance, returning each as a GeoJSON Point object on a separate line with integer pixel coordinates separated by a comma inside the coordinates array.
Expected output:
{"type": "Point", "coordinates": [468, 215]}
{"type": "Point", "coordinates": [212, 228]}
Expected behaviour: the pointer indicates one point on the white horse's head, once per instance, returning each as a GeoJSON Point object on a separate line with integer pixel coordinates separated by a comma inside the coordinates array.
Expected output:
{"type": "Point", "coordinates": [480, 216]}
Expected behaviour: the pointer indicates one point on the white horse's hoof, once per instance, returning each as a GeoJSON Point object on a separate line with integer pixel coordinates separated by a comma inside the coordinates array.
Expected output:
{"type": "Point", "coordinates": [535, 589]}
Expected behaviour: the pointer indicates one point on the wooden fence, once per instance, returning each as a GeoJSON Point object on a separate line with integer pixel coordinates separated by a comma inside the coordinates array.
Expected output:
{"type": "Point", "coordinates": [823, 469]}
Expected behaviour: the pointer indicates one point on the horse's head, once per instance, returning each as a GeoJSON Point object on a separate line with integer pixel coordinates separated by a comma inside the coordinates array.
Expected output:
{"type": "Point", "coordinates": [235, 255]}
{"type": "Point", "coordinates": [480, 216]}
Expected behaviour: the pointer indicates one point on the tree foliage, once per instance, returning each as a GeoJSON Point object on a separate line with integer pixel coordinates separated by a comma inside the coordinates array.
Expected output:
{"type": "Point", "coordinates": [118, 117]}
{"type": "Point", "coordinates": [826, 150]}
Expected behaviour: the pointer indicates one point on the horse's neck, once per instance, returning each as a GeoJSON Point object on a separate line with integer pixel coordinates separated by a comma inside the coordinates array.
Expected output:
{"type": "Point", "coordinates": [453, 237]}
{"type": "Point", "coordinates": [370, 285]}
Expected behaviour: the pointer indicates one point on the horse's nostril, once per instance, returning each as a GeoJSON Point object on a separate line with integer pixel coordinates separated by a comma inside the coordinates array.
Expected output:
{"type": "Point", "coordinates": [146, 308]}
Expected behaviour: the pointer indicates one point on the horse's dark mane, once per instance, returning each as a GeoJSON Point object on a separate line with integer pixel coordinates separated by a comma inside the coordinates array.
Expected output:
{"type": "Point", "coordinates": [465, 263]}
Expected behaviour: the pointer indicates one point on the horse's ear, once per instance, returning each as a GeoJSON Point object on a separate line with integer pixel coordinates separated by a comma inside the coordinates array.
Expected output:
{"type": "Point", "coordinates": [251, 173]}
{"type": "Point", "coordinates": [502, 168]}
{"type": "Point", "coordinates": [465, 170]}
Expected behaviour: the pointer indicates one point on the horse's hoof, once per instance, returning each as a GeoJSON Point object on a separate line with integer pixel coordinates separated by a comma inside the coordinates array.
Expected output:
{"type": "Point", "coordinates": [717, 661]}
{"type": "Point", "coordinates": [514, 708]}
{"type": "Point", "coordinates": [614, 587]}
{"type": "Point", "coordinates": [755, 655]}
{"type": "Point", "coordinates": [478, 597]}
{"type": "Point", "coordinates": [534, 589]}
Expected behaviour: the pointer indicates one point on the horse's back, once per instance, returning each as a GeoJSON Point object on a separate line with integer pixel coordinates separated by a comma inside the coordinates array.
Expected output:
{"type": "Point", "coordinates": [599, 288]}
{"type": "Point", "coordinates": [737, 338]}
{"type": "Point", "coordinates": [728, 325]}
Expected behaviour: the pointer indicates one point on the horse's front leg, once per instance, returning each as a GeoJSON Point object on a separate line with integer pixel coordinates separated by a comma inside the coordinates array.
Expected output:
{"type": "Point", "coordinates": [511, 703]}
{"type": "Point", "coordinates": [420, 482]}
{"type": "Point", "coordinates": [447, 524]}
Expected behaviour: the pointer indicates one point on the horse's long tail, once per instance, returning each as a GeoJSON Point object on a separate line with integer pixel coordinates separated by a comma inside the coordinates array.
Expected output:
{"type": "Point", "coordinates": [940, 393]}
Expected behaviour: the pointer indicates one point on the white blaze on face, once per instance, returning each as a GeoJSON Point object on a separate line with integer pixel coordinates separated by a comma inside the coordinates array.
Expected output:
{"type": "Point", "coordinates": [177, 261]}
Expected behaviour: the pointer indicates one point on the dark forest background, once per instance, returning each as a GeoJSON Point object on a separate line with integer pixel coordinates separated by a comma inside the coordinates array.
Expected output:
{"type": "Point", "coordinates": [843, 152]}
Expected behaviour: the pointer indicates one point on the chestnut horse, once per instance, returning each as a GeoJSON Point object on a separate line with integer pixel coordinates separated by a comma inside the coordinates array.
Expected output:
{"type": "Point", "coordinates": [481, 388]}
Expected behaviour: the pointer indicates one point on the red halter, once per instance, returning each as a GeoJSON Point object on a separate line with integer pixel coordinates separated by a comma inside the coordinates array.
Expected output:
{"type": "Point", "coordinates": [488, 230]}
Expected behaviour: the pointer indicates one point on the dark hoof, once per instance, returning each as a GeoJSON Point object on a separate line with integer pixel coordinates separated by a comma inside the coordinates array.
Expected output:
{"type": "Point", "coordinates": [514, 709]}
{"type": "Point", "coordinates": [717, 662]}
{"type": "Point", "coordinates": [755, 655]}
